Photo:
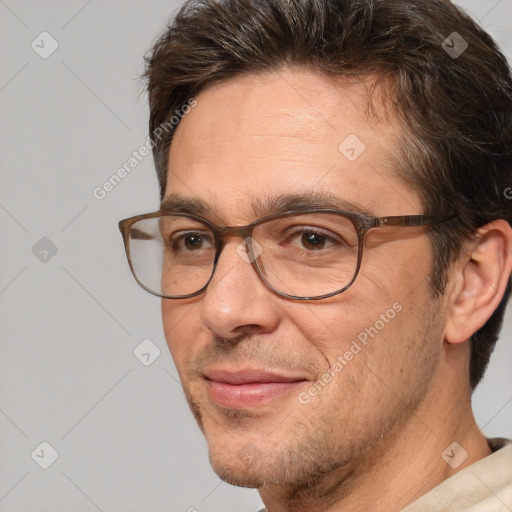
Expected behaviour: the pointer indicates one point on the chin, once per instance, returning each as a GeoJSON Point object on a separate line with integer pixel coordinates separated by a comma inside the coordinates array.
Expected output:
{"type": "Point", "coordinates": [237, 477]}
{"type": "Point", "coordinates": [243, 463]}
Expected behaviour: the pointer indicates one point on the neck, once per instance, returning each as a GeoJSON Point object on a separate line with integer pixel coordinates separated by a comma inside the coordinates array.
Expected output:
{"type": "Point", "coordinates": [401, 467]}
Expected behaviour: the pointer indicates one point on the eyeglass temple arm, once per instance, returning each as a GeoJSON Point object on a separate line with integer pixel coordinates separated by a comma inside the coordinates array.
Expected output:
{"type": "Point", "coordinates": [410, 220]}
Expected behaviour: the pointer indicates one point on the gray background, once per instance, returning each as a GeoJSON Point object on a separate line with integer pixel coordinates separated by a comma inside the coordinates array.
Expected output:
{"type": "Point", "coordinates": [70, 321]}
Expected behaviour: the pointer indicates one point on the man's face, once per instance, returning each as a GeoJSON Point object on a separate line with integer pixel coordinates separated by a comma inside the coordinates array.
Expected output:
{"type": "Point", "coordinates": [284, 390]}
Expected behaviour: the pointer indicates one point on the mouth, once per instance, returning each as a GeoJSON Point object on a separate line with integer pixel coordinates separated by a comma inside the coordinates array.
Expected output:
{"type": "Point", "coordinates": [249, 388]}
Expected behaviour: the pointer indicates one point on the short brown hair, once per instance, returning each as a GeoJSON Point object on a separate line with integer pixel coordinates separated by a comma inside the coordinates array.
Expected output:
{"type": "Point", "coordinates": [455, 109]}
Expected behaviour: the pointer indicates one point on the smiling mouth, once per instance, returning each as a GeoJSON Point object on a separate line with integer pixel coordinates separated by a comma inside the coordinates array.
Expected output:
{"type": "Point", "coordinates": [249, 388]}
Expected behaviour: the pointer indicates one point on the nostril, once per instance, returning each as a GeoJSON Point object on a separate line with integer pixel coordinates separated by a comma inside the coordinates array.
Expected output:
{"type": "Point", "coordinates": [242, 334]}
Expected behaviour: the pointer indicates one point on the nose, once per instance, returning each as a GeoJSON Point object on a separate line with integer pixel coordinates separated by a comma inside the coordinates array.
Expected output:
{"type": "Point", "coordinates": [237, 301]}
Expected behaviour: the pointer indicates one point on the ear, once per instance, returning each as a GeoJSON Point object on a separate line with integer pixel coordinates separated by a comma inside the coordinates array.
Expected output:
{"type": "Point", "coordinates": [478, 281]}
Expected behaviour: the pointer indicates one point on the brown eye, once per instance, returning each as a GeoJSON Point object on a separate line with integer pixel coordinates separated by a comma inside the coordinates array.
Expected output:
{"type": "Point", "coordinates": [193, 242]}
{"type": "Point", "coordinates": [313, 241]}
{"type": "Point", "coordinates": [190, 242]}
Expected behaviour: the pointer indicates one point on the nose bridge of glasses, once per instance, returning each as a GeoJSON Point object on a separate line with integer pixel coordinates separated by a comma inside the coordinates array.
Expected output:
{"type": "Point", "coordinates": [224, 232]}
{"type": "Point", "coordinates": [243, 248]}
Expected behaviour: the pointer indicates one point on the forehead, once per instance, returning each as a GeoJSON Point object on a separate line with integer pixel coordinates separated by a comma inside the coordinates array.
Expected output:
{"type": "Point", "coordinates": [287, 132]}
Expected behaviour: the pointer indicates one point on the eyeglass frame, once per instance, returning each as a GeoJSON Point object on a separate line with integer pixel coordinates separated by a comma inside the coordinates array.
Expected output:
{"type": "Point", "coordinates": [361, 222]}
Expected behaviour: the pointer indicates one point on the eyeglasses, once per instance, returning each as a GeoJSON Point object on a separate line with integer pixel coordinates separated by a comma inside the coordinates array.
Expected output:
{"type": "Point", "coordinates": [299, 255]}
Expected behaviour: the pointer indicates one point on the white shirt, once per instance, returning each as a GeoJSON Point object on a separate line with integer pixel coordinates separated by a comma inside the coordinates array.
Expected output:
{"type": "Point", "coordinates": [485, 486]}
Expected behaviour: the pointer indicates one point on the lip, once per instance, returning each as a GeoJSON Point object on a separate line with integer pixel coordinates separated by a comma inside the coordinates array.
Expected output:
{"type": "Point", "coordinates": [249, 387]}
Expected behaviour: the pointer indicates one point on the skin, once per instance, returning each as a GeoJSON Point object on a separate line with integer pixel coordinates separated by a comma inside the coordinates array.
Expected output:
{"type": "Point", "coordinates": [373, 437]}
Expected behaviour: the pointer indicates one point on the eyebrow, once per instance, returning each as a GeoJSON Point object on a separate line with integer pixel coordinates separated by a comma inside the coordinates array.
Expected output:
{"type": "Point", "coordinates": [181, 204]}
{"type": "Point", "coordinates": [268, 205]}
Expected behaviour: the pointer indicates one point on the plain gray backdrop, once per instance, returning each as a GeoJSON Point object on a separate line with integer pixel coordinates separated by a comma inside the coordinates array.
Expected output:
{"type": "Point", "coordinates": [71, 316]}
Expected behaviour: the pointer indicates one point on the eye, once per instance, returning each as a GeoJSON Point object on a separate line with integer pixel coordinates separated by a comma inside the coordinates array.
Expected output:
{"type": "Point", "coordinates": [191, 241]}
{"type": "Point", "coordinates": [313, 241]}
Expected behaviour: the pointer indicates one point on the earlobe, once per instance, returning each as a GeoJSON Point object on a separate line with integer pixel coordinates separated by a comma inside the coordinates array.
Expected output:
{"type": "Point", "coordinates": [479, 281]}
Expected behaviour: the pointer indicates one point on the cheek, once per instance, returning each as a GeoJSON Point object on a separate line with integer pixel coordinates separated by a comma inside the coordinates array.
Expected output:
{"type": "Point", "coordinates": [179, 329]}
{"type": "Point", "coordinates": [369, 322]}
{"type": "Point", "coordinates": [331, 328]}
{"type": "Point", "coordinates": [378, 359]}
{"type": "Point", "coordinates": [396, 267]}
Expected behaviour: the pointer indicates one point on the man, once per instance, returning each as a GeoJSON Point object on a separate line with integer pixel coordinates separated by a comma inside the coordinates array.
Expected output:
{"type": "Point", "coordinates": [329, 351]}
